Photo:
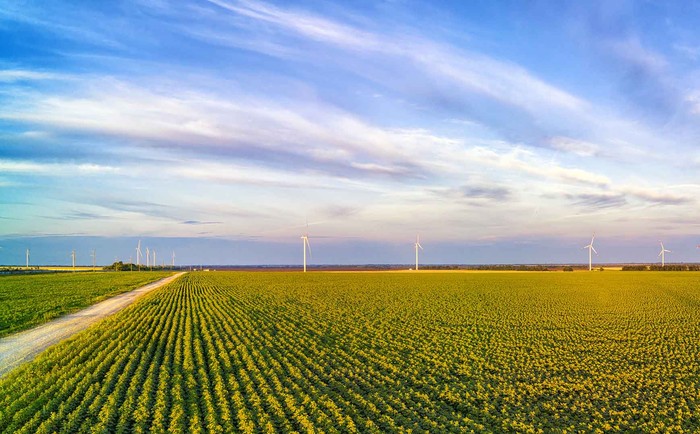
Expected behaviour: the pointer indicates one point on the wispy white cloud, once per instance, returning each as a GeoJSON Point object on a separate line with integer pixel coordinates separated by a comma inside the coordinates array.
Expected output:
{"type": "Point", "coordinates": [54, 169]}
{"type": "Point", "coordinates": [306, 24]}
{"type": "Point", "coordinates": [578, 147]}
{"type": "Point", "coordinates": [239, 174]}
{"type": "Point", "coordinates": [458, 77]}
{"type": "Point", "coordinates": [504, 81]}
{"type": "Point", "coordinates": [64, 22]}
{"type": "Point", "coordinates": [526, 161]}
{"type": "Point", "coordinates": [333, 142]}
{"type": "Point", "coordinates": [657, 196]}
{"type": "Point", "coordinates": [12, 75]}
{"type": "Point", "coordinates": [237, 126]}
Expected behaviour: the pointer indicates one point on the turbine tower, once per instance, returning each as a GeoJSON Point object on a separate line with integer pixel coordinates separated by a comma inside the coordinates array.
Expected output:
{"type": "Point", "coordinates": [72, 255]}
{"type": "Point", "coordinates": [138, 255]}
{"type": "Point", "coordinates": [154, 263]}
{"type": "Point", "coordinates": [662, 254]}
{"type": "Point", "coordinates": [148, 257]}
{"type": "Point", "coordinates": [591, 249]}
{"type": "Point", "coordinates": [173, 265]}
{"type": "Point", "coordinates": [305, 244]}
{"type": "Point", "coordinates": [92, 254]}
{"type": "Point", "coordinates": [417, 246]}
{"type": "Point", "coordinates": [27, 258]}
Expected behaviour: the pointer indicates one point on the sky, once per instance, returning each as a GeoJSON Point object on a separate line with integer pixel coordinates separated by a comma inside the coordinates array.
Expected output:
{"type": "Point", "coordinates": [501, 132]}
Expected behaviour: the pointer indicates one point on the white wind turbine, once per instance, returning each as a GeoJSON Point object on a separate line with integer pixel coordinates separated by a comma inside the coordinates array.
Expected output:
{"type": "Point", "coordinates": [591, 249]}
{"type": "Point", "coordinates": [148, 257]}
{"type": "Point", "coordinates": [27, 258]}
{"type": "Point", "coordinates": [93, 255]}
{"type": "Point", "coordinates": [305, 245]}
{"type": "Point", "coordinates": [173, 265]}
{"type": "Point", "coordinates": [138, 255]}
{"type": "Point", "coordinates": [72, 255]}
{"type": "Point", "coordinates": [662, 254]}
{"type": "Point", "coordinates": [417, 246]}
{"type": "Point", "coordinates": [155, 264]}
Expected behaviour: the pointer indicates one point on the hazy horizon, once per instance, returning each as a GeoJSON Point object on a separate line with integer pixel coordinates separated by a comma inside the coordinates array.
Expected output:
{"type": "Point", "coordinates": [209, 251]}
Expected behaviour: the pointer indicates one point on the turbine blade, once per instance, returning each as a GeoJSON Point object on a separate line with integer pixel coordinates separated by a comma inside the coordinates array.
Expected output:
{"type": "Point", "coordinates": [418, 244]}
{"type": "Point", "coordinates": [308, 245]}
{"type": "Point", "coordinates": [593, 248]}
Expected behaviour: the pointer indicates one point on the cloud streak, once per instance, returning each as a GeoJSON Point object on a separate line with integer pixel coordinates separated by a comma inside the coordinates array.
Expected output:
{"type": "Point", "coordinates": [320, 136]}
{"type": "Point", "coordinates": [13, 75]}
{"type": "Point", "coordinates": [54, 169]}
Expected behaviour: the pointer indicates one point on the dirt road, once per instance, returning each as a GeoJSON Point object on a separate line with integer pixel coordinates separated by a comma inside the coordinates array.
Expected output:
{"type": "Point", "coordinates": [24, 346]}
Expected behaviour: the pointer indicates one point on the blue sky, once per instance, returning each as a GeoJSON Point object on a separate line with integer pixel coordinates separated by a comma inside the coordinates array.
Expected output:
{"type": "Point", "coordinates": [499, 131]}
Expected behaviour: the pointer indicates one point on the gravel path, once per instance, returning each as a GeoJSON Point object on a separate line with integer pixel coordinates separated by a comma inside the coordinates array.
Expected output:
{"type": "Point", "coordinates": [24, 346]}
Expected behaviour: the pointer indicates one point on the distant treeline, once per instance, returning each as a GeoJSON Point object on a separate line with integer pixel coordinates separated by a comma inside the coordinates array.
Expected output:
{"type": "Point", "coordinates": [440, 267]}
{"type": "Point", "coordinates": [508, 267]}
{"type": "Point", "coordinates": [496, 267]}
{"type": "Point", "coordinates": [24, 270]}
{"type": "Point", "coordinates": [120, 266]}
{"type": "Point", "coordinates": [670, 267]}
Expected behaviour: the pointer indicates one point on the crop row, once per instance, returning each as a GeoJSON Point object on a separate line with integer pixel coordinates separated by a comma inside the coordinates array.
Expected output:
{"type": "Point", "coordinates": [351, 352]}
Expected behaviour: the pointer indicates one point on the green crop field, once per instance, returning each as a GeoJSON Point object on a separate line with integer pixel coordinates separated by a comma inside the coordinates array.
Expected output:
{"type": "Point", "coordinates": [378, 352]}
{"type": "Point", "coordinates": [28, 300]}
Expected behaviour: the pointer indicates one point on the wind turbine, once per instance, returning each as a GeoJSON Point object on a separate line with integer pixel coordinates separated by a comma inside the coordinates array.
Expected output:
{"type": "Point", "coordinates": [155, 264]}
{"type": "Point", "coordinates": [72, 255]}
{"type": "Point", "coordinates": [148, 257]}
{"type": "Point", "coordinates": [663, 256]}
{"type": "Point", "coordinates": [138, 255]}
{"type": "Point", "coordinates": [173, 259]}
{"type": "Point", "coordinates": [92, 254]}
{"type": "Point", "coordinates": [27, 258]}
{"type": "Point", "coordinates": [305, 244]}
{"type": "Point", "coordinates": [417, 246]}
{"type": "Point", "coordinates": [591, 249]}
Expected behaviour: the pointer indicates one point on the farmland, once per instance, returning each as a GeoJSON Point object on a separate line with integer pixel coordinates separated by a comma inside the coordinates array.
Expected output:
{"type": "Point", "coordinates": [28, 300]}
{"type": "Point", "coordinates": [378, 352]}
